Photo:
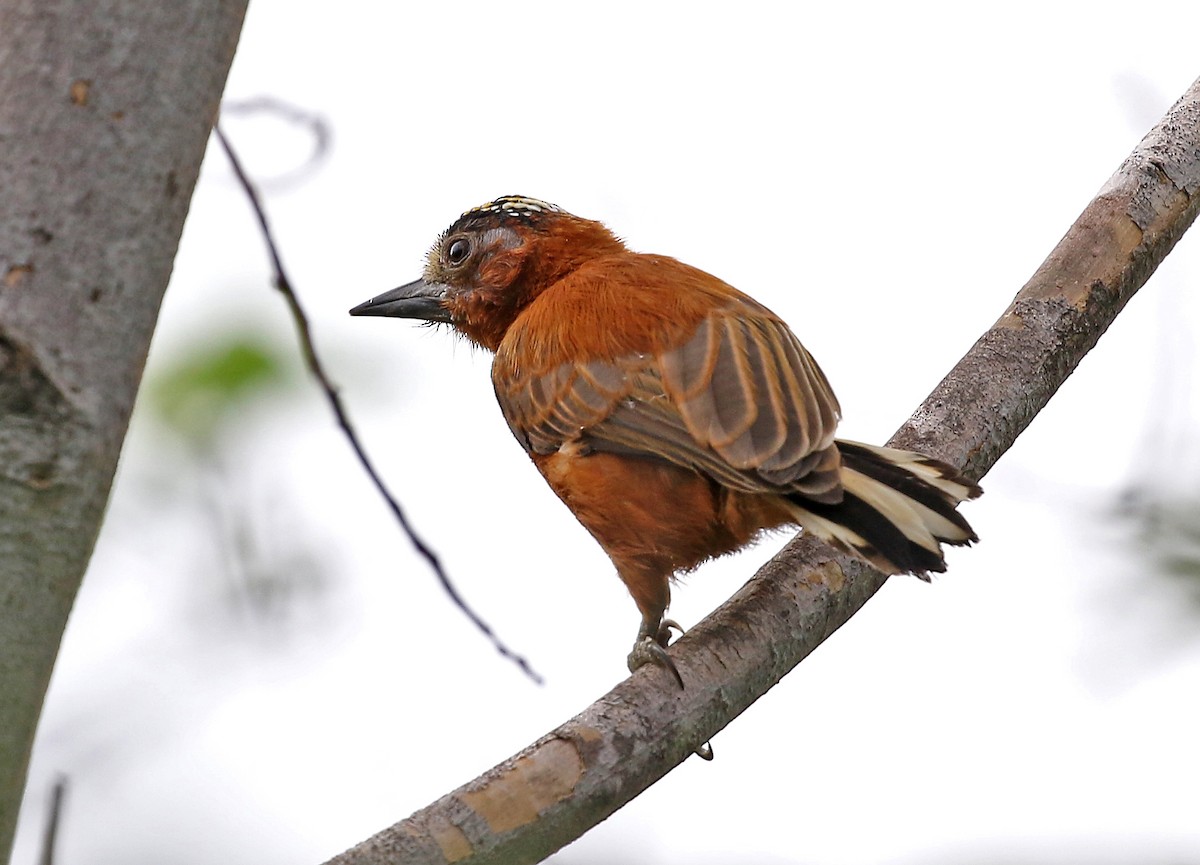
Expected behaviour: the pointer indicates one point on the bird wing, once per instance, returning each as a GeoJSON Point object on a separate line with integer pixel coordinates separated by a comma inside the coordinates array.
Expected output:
{"type": "Point", "coordinates": [740, 400]}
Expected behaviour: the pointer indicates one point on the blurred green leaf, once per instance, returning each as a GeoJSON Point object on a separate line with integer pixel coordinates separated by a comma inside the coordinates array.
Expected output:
{"type": "Point", "coordinates": [1167, 536]}
{"type": "Point", "coordinates": [210, 386]}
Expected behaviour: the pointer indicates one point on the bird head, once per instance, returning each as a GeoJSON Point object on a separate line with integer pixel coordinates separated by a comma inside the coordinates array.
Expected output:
{"type": "Point", "coordinates": [492, 263]}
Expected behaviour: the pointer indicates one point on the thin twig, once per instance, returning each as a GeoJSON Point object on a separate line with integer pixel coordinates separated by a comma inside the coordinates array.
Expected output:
{"type": "Point", "coordinates": [314, 364]}
{"type": "Point", "coordinates": [313, 124]}
{"type": "Point", "coordinates": [53, 821]}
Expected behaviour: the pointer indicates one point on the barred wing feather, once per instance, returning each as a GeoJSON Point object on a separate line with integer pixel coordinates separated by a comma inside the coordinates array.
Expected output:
{"type": "Point", "coordinates": [741, 401]}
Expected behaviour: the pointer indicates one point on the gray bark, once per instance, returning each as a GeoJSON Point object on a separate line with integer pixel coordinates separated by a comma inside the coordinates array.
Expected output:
{"type": "Point", "coordinates": [579, 774]}
{"type": "Point", "coordinates": [105, 111]}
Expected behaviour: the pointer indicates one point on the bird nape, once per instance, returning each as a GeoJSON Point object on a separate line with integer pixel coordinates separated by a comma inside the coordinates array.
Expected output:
{"type": "Point", "coordinates": [677, 417]}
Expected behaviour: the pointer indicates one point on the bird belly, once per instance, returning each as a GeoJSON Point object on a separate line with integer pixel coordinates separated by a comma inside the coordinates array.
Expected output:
{"type": "Point", "coordinates": [653, 518]}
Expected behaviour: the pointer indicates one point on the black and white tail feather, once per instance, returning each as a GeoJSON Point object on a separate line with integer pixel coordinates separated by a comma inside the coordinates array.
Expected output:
{"type": "Point", "coordinates": [897, 508]}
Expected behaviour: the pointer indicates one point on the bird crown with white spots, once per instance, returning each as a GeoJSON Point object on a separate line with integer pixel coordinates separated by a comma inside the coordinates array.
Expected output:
{"type": "Point", "coordinates": [507, 206]}
{"type": "Point", "coordinates": [515, 205]}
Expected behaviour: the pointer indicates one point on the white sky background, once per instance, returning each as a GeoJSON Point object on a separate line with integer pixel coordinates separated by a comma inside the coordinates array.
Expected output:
{"type": "Point", "coordinates": [885, 177]}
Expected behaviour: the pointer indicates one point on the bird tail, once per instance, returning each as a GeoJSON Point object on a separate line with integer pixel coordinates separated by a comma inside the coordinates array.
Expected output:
{"type": "Point", "coordinates": [896, 511]}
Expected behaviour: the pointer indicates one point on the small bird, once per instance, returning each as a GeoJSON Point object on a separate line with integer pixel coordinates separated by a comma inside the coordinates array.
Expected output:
{"type": "Point", "coordinates": [677, 417]}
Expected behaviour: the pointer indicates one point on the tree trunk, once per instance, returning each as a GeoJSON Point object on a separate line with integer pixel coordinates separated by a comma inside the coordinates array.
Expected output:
{"type": "Point", "coordinates": [105, 111]}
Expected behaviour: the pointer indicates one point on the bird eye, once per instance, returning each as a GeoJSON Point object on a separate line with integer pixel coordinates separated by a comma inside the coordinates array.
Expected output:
{"type": "Point", "coordinates": [458, 251]}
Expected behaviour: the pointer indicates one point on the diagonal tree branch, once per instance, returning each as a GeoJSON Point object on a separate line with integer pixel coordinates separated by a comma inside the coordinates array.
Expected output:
{"type": "Point", "coordinates": [577, 775]}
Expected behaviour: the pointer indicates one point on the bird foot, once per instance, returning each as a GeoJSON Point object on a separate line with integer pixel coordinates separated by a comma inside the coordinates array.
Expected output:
{"type": "Point", "coordinates": [653, 649]}
{"type": "Point", "coordinates": [649, 650]}
{"type": "Point", "coordinates": [664, 631]}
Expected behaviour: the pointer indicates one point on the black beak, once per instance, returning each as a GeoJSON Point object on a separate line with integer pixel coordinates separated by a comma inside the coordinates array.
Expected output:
{"type": "Point", "coordinates": [418, 299]}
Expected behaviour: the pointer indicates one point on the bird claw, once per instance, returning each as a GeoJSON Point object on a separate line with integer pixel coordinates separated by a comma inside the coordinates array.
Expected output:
{"type": "Point", "coordinates": [664, 631]}
{"type": "Point", "coordinates": [651, 650]}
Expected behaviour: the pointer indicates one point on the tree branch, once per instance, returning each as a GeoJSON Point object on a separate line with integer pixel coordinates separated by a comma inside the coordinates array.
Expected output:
{"type": "Point", "coordinates": [577, 775]}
